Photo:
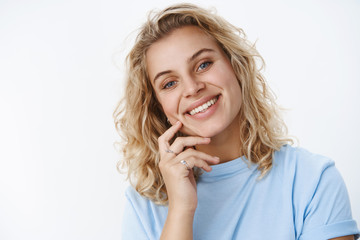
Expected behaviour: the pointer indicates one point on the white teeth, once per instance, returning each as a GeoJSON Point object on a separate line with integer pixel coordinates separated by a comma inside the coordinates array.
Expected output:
{"type": "Point", "coordinates": [203, 107]}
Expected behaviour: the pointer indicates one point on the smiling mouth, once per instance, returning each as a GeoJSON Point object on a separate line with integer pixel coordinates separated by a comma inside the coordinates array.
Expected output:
{"type": "Point", "coordinates": [204, 107]}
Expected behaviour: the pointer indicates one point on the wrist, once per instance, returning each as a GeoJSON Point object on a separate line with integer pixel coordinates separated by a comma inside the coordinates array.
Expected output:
{"type": "Point", "coordinates": [182, 209]}
{"type": "Point", "coordinates": [181, 212]}
{"type": "Point", "coordinates": [178, 224]}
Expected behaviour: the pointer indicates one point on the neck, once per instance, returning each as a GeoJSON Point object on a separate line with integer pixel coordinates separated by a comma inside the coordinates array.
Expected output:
{"type": "Point", "coordinates": [226, 145]}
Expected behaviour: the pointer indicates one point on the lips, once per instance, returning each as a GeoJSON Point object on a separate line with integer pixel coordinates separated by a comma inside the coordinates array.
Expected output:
{"type": "Point", "coordinates": [202, 105]}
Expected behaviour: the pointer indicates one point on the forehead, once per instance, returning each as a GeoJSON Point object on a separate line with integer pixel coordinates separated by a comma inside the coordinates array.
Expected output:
{"type": "Point", "coordinates": [176, 48]}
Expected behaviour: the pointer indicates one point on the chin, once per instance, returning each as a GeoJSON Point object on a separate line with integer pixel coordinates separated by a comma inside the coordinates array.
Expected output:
{"type": "Point", "coordinates": [208, 133]}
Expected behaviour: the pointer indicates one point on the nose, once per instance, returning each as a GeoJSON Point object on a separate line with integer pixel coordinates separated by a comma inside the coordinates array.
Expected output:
{"type": "Point", "coordinates": [192, 86]}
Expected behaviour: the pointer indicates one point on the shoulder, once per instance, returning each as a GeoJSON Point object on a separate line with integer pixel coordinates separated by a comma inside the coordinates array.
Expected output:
{"type": "Point", "coordinates": [320, 202]}
{"type": "Point", "coordinates": [295, 160]}
{"type": "Point", "coordinates": [143, 219]}
{"type": "Point", "coordinates": [305, 173]}
{"type": "Point", "coordinates": [136, 200]}
{"type": "Point", "coordinates": [141, 203]}
{"type": "Point", "coordinates": [131, 193]}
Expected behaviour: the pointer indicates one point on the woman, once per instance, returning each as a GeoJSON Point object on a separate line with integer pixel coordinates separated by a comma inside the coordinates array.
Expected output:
{"type": "Point", "coordinates": [205, 149]}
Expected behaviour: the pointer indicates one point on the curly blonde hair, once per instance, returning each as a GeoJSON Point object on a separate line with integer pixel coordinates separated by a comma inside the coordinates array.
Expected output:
{"type": "Point", "coordinates": [139, 118]}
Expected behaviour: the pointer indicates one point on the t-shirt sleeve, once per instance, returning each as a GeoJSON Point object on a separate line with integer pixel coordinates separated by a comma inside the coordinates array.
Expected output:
{"type": "Point", "coordinates": [328, 213]}
{"type": "Point", "coordinates": [132, 228]}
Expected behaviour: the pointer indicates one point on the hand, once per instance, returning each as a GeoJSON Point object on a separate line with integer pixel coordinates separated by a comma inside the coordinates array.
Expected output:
{"type": "Point", "coordinates": [179, 178]}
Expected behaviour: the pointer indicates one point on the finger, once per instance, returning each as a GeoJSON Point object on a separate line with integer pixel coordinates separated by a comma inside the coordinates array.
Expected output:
{"type": "Point", "coordinates": [195, 162]}
{"type": "Point", "coordinates": [189, 153]}
{"type": "Point", "coordinates": [170, 133]}
{"type": "Point", "coordinates": [182, 142]}
{"type": "Point", "coordinates": [164, 139]}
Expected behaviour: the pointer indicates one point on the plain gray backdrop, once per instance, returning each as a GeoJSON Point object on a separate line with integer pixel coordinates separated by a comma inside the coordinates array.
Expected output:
{"type": "Point", "coordinates": [61, 74]}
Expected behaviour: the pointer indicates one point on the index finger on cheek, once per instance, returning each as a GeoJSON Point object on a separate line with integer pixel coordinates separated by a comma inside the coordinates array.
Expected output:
{"type": "Point", "coordinates": [170, 133]}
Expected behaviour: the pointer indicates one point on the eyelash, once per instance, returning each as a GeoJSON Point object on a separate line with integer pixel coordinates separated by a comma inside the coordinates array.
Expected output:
{"type": "Point", "coordinates": [170, 84]}
{"type": "Point", "coordinates": [166, 85]}
{"type": "Point", "coordinates": [208, 63]}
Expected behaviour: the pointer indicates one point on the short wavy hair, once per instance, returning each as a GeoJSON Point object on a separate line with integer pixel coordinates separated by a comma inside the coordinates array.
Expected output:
{"type": "Point", "coordinates": [139, 118]}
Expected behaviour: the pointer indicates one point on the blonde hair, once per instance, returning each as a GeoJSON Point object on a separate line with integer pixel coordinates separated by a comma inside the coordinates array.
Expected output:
{"type": "Point", "coordinates": [139, 118]}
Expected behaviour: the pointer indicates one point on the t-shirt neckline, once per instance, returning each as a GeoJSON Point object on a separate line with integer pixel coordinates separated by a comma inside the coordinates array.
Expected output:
{"type": "Point", "coordinates": [227, 168]}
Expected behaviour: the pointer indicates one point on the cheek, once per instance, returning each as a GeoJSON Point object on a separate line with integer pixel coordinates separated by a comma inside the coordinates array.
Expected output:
{"type": "Point", "coordinates": [224, 76]}
{"type": "Point", "coordinates": [169, 106]}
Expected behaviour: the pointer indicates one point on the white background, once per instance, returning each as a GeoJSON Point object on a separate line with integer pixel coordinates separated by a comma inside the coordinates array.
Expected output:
{"type": "Point", "coordinates": [59, 84]}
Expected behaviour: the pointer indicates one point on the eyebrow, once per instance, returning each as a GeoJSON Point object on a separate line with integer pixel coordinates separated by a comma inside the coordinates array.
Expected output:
{"type": "Point", "coordinates": [198, 53]}
{"type": "Point", "coordinates": [160, 74]}
{"type": "Point", "coordinates": [194, 56]}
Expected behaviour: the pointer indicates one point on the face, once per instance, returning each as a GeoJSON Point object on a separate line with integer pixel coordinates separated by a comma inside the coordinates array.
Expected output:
{"type": "Point", "coordinates": [194, 82]}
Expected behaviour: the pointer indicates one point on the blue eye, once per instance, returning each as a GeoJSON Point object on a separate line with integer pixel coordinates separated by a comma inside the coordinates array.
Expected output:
{"type": "Point", "coordinates": [169, 84]}
{"type": "Point", "coordinates": [204, 65]}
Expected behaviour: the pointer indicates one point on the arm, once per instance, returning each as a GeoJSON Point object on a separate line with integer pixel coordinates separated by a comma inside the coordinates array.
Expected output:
{"type": "Point", "coordinates": [132, 226]}
{"type": "Point", "coordinates": [180, 182]}
{"type": "Point", "coordinates": [327, 206]}
{"type": "Point", "coordinates": [351, 237]}
{"type": "Point", "coordinates": [178, 225]}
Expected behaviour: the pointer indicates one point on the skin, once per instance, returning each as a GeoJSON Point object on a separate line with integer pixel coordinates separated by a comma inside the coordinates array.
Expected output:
{"type": "Point", "coordinates": [188, 68]}
{"type": "Point", "coordinates": [351, 237]}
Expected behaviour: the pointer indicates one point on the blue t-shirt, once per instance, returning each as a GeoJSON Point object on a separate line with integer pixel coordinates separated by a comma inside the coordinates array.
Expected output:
{"type": "Point", "coordinates": [302, 197]}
